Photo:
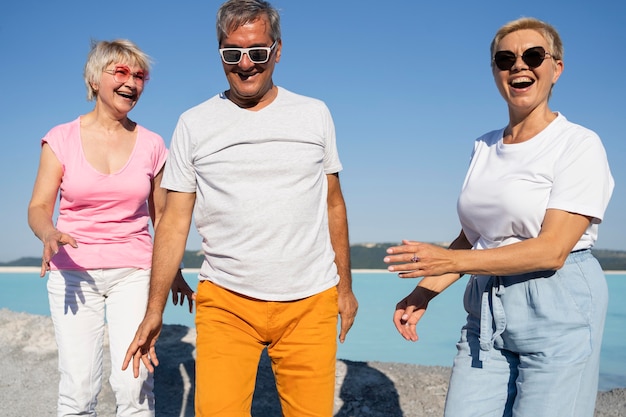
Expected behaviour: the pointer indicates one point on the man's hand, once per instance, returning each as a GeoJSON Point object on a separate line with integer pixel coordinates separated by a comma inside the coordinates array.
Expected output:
{"type": "Point", "coordinates": [348, 306]}
{"type": "Point", "coordinates": [142, 347]}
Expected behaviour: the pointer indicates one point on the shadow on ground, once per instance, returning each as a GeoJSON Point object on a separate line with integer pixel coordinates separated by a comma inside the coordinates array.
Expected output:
{"type": "Point", "coordinates": [361, 391]}
{"type": "Point", "coordinates": [174, 378]}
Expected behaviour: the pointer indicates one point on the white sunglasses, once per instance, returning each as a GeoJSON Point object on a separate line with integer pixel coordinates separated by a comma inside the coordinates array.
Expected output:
{"type": "Point", "coordinates": [257, 55]}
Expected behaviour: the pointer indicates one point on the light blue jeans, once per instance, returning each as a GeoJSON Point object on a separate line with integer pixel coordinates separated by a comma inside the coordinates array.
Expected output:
{"type": "Point", "coordinates": [78, 300]}
{"type": "Point", "coordinates": [531, 345]}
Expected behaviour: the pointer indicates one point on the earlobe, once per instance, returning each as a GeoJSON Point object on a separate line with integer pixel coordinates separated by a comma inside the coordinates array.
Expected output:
{"type": "Point", "coordinates": [279, 49]}
{"type": "Point", "coordinates": [558, 70]}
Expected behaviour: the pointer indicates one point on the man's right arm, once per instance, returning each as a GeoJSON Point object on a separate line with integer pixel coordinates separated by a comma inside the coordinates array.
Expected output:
{"type": "Point", "coordinates": [169, 247]}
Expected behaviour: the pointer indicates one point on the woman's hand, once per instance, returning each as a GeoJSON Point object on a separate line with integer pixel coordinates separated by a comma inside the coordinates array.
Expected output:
{"type": "Point", "coordinates": [416, 259]}
{"type": "Point", "coordinates": [51, 243]}
{"type": "Point", "coordinates": [410, 310]}
{"type": "Point", "coordinates": [181, 290]}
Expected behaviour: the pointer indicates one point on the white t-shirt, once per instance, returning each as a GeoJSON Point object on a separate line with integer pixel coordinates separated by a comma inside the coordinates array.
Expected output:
{"type": "Point", "coordinates": [261, 193]}
{"type": "Point", "coordinates": [509, 187]}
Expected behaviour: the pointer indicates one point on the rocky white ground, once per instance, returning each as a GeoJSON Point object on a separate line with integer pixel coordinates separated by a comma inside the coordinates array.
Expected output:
{"type": "Point", "coordinates": [29, 378]}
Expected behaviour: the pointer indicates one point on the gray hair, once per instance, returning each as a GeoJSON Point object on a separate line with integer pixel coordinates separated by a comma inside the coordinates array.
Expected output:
{"type": "Point", "coordinates": [235, 13]}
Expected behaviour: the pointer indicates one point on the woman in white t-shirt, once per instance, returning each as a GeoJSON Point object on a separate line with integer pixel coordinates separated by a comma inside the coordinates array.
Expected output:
{"type": "Point", "coordinates": [530, 206]}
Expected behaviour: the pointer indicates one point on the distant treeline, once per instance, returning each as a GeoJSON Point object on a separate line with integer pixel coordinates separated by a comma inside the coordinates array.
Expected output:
{"type": "Point", "coordinates": [368, 256]}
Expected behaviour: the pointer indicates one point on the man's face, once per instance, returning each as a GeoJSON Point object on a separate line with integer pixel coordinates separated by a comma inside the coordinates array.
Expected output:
{"type": "Point", "coordinates": [251, 83]}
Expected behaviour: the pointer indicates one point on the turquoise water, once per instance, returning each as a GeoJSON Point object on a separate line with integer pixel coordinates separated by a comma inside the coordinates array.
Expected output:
{"type": "Point", "coordinates": [373, 336]}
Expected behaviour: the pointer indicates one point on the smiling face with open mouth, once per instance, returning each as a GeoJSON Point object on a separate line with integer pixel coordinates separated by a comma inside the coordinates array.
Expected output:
{"type": "Point", "coordinates": [525, 71]}
{"type": "Point", "coordinates": [121, 86]}
{"type": "Point", "coordinates": [250, 82]}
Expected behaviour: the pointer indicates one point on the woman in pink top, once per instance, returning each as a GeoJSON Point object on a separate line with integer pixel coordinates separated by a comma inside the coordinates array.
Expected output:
{"type": "Point", "coordinates": [107, 170]}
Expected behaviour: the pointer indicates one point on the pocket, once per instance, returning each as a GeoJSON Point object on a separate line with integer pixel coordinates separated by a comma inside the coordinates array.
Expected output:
{"type": "Point", "coordinates": [203, 293]}
{"type": "Point", "coordinates": [545, 315]}
{"type": "Point", "coordinates": [584, 290]}
{"type": "Point", "coordinates": [552, 300]}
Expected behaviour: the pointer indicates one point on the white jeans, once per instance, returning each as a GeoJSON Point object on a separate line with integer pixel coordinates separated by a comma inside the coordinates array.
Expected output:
{"type": "Point", "coordinates": [78, 300]}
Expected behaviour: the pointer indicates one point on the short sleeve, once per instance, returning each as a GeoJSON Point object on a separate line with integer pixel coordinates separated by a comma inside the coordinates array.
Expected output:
{"type": "Point", "coordinates": [332, 164]}
{"type": "Point", "coordinates": [179, 173]}
{"type": "Point", "coordinates": [583, 182]}
{"type": "Point", "coordinates": [160, 154]}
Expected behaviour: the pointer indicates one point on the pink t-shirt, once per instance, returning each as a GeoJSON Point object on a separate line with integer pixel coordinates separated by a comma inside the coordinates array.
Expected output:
{"type": "Point", "coordinates": [106, 214]}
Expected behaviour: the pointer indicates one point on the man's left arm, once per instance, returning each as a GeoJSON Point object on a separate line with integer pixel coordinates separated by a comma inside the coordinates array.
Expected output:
{"type": "Point", "coordinates": [338, 226]}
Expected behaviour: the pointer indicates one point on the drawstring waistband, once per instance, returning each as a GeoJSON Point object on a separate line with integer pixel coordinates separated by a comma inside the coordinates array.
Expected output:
{"type": "Point", "coordinates": [492, 317]}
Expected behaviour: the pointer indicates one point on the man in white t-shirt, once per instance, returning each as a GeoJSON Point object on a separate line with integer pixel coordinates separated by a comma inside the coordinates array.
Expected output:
{"type": "Point", "coordinates": [257, 166]}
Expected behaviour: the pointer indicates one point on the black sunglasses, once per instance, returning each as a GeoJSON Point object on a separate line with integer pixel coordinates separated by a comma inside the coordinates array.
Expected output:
{"type": "Point", "coordinates": [533, 57]}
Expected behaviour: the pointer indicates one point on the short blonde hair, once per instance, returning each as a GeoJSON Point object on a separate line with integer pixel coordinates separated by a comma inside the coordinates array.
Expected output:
{"type": "Point", "coordinates": [104, 53]}
{"type": "Point", "coordinates": [546, 30]}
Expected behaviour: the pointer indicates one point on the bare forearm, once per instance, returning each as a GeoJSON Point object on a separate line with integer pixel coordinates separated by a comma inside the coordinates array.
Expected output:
{"type": "Point", "coordinates": [338, 226]}
{"type": "Point", "coordinates": [157, 199]}
{"type": "Point", "coordinates": [166, 257]}
{"type": "Point", "coordinates": [338, 229]}
{"type": "Point", "coordinates": [45, 194]}
{"type": "Point", "coordinates": [526, 256]}
{"type": "Point", "coordinates": [169, 247]}
{"type": "Point", "coordinates": [438, 284]}
{"type": "Point", "coordinates": [559, 234]}
{"type": "Point", "coordinates": [40, 222]}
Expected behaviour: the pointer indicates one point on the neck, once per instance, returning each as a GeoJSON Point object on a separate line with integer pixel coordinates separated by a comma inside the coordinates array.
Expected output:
{"type": "Point", "coordinates": [254, 104]}
{"type": "Point", "coordinates": [524, 128]}
{"type": "Point", "coordinates": [107, 122]}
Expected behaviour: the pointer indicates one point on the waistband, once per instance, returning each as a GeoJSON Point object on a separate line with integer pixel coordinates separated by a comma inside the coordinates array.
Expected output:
{"type": "Point", "coordinates": [492, 316]}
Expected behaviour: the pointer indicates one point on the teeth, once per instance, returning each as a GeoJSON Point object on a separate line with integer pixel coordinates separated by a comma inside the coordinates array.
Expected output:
{"type": "Point", "coordinates": [521, 80]}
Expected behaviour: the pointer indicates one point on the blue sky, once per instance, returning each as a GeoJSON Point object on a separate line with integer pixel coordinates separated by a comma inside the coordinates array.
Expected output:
{"type": "Point", "coordinates": [408, 84]}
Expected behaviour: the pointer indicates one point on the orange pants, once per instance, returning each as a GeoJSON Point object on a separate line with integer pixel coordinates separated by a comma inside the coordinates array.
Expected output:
{"type": "Point", "coordinates": [233, 330]}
